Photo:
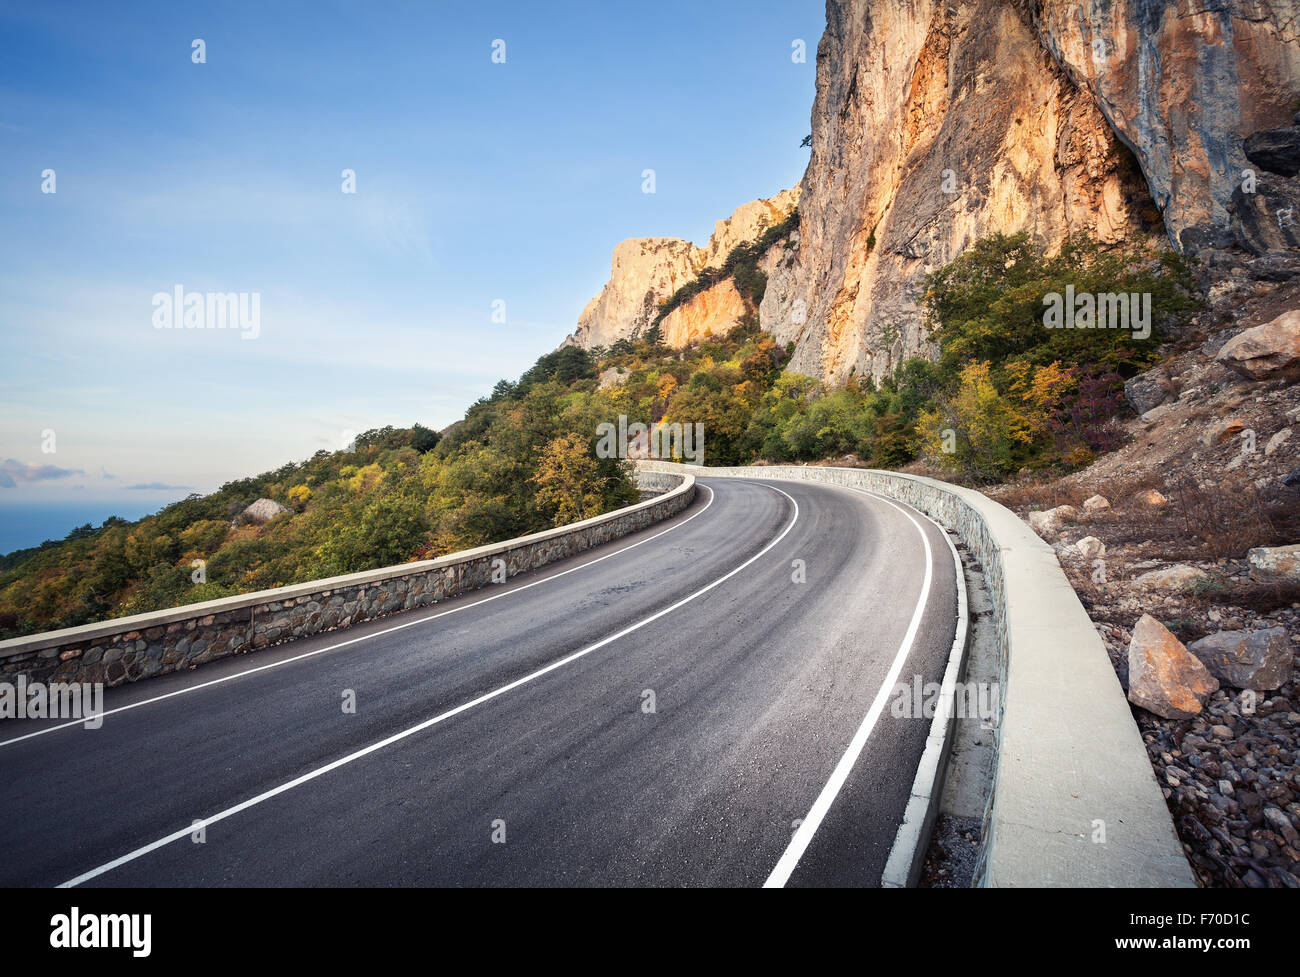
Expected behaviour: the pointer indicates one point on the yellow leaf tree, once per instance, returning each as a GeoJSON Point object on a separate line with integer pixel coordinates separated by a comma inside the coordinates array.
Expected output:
{"type": "Point", "coordinates": [979, 433]}
{"type": "Point", "coordinates": [566, 480]}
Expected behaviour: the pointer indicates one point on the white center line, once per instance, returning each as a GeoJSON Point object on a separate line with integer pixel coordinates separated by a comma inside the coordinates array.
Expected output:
{"type": "Point", "coordinates": [441, 717]}
{"type": "Point", "coordinates": [365, 637]}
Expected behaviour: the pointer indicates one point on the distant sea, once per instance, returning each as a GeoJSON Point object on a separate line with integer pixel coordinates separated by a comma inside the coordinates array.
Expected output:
{"type": "Point", "coordinates": [24, 524]}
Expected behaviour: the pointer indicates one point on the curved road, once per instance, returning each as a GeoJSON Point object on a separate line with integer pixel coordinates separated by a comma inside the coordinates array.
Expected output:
{"type": "Point", "coordinates": [665, 710]}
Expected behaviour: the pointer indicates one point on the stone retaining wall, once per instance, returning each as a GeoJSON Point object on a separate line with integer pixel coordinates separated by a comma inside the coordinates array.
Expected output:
{"type": "Point", "coordinates": [650, 481]}
{"type": "Point", "coordinates": [1074, 801]}
{"type": "Point", "coordinates": [131, 648]}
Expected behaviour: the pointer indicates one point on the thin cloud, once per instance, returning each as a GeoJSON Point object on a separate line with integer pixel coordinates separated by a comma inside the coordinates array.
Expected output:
{"type": "Point", "coordinates": [158, 487]}
{"type": "Point", "coordinates": [12, 472]}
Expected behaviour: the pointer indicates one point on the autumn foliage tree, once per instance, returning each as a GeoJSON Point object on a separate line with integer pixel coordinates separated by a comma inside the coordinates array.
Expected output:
{"type": "Point", "coordinates": [567, 479]}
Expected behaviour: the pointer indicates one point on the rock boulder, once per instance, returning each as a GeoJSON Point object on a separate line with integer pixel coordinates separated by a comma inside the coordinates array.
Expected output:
{"type": "Point", "coordinates": [1281, 561]}
{"type": "Point", "coordinates": [1169, 578]}
{"type": "Point", "coordinates": [1090, 547]}
{"type": "Point", "coordinates": [1147, 391]}
{"type": "Point", "coordinates": [1267, 351]}
{"type": "Point", "coordinates": [1220, 431]}
{"type": "Point", "coordinates": [1275, 150]}
{"type": "Point", "coordinates": [1051, 520]}
{"type": "Point", "coordinates": [1260, 660]}
{"type": "Point", "coordinates": [1163, 677]}
{"type": "Point", "coordinates": [263, 510]}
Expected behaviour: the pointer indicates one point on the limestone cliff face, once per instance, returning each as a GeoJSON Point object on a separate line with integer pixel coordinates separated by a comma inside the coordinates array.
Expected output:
{"type": "Point", "coordinates": [713, 312]}
{"type": "Point", "coordinates": [934, 125]}
{"type": "Point", "coordinates": [646, 271]}
{"type": "Point", "coordinates": [938, 123]}
{"type": "Point", "coordinates": [1182, 84]}
{"type": "Point", "coordinates": [746, 223]}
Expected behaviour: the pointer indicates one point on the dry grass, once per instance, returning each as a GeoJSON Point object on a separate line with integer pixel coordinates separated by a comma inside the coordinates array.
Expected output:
{"type": "Point", "coordinates": [1041, 495]}
{"type": "Point", "coordinates": [1260, 596]}
{"type": "Point", "coordinates": [1203, 521]}
{"type": "Point", "coordinates": [1050, 494]}
{"type": "Point", "coordinates": [1219, 521]}
{"type": "Point", "coordinates": [1122, 488]}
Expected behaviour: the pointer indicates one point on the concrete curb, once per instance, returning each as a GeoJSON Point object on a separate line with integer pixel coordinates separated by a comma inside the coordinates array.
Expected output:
{"type": "Point", "coordinates": [142, 645]}
{"type": "Point", "coordinates": [1075, 801]}
{"type": "Point", "coordinates": [907, 857]}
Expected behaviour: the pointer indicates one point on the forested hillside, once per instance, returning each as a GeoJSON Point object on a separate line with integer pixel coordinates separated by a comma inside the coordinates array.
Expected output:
{"type": "Point", "coordinates": [1003, 394]}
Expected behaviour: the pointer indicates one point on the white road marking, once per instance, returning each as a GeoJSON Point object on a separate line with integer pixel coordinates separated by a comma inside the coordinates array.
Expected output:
{"type": "Point", "coordinates": [441, 717]}
{"type": "Point", "coordinates": [365, 637]}
{"type": "Point", "coordinates": [908, 839]}
{"type": "Point", "coordinates": [812, 821]}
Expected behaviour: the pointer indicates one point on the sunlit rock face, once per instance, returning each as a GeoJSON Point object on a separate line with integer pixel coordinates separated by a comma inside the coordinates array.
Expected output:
{"type": "Point", "coordinates": [937, 124]}
{"type": "Point", "coordinates": [747, 223]}
{"type": "Point", "coordinates": [714, 312]}
{"type": "Point", "coordinates": [934, 125]}
{"type": "Point", "coordinates": [647, 271]}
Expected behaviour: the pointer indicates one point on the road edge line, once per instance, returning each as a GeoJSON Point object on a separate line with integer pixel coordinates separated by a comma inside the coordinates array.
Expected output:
{"type": "Point", "coordinates": [907, 856]}
{"type": "Point", "coordinates": [798, 846]}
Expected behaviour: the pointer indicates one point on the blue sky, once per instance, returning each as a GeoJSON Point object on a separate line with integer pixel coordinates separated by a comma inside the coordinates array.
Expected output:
{"type": "Point", "coordinates": [476, 182]}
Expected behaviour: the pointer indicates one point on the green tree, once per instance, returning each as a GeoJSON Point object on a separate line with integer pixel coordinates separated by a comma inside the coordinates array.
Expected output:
{"type": "Point", "coordinates": [979, 433]}
{"type": "Point", "coordinates": [567, 479]}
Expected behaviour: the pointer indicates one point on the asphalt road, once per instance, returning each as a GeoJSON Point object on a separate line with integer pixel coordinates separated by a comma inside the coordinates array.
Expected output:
{"type": "Point", "coordinates": [665, 710]}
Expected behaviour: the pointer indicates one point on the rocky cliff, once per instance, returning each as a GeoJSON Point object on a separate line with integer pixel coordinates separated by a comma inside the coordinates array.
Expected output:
{"type": "Point", "coordinates": [647, 271]}
{"type": "Point", "coordinates": [938, 123]}
{"type": "Point", "coordinates": [1182, 84]}
{"type": "Point", "coordinates": [713, 312]}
